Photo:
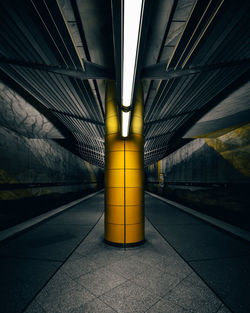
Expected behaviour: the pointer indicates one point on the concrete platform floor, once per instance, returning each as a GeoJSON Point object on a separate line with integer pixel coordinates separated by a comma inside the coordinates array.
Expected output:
{"type": "Point", "coordinates": [185, 265]}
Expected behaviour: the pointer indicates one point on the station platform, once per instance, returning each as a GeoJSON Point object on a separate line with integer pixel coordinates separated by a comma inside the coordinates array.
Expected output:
{"type": "Point", "coordinates": [62, 265]}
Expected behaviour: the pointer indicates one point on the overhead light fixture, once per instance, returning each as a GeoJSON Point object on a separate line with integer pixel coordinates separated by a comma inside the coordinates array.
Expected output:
{"type": "Point", "coordinates": [125, 123]}
{"type": "Point", "coordinates": [132, 17]}
{"type": "Point", "coordinates": [131, 35]}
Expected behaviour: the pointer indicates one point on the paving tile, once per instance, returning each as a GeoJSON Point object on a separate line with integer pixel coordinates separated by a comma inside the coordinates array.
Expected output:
{"type": "Point", "coordinates": [174, 266]}
{"type": "Point", "coordinates": [156, 281]}
{"type": "Point", "coordinates": [152, 256]}
{"type": "Point", "coordinates": [130, 297]}
{"type": "Point", "coordinates": [63, 301]}
{"type": "Point", "coordinates": [34, 307]}
{"type": "Point", "coordinates": [166, 214]}
{"type": "Point", "coordinates": [230, 278]}
{"type": "Point", "coordinates": [76, 218]}
{"type": "Point", "coordinates": [126, 252]}
{"type": "Point", "coordinates": [15, 295]}
{"type": "Point", "coordinates": [76, 256]}
{"type": "Point", "coordinates": [53, 242]}
{"type": "Point", "coordinates": [78, 267]}
{"type": "Point", "coordinates": [193, 297]}
{"type": "Point", "coordinates": [195, 280]}
{"type": "Point", "coordinates": [224, 309]}
{"type": "Point", "coordinates": [86, 247]}
{"type": "Point", "coordinates": [202, 241]}
{"type": "Point", "coordinates": [100, 281]}
{"type": "Point", "coordinates": [95, 306]}
{"type": "Point", "coordinates": [21, 279]}
{"type": "Point", "coordinates": [128, 268]}
{"type": "Point", "coordinates": [60, 282]}
{"type": "Point", "coordinates": [105, 257]}
{"type": "Point", "coordinates": [219, 258]}
{"type": "Point", "coordinates": [100, 278]}
{"type": "Point", "coordinates": [165, 306]}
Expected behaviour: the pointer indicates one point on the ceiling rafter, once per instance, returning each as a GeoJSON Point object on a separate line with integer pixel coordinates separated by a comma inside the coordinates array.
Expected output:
{"type": "Point", "coordinates": [159, 72]}
{"type": "Point", "coordinates": [86, 120]}
{"type": "Point", "coordinates": [92, 70]}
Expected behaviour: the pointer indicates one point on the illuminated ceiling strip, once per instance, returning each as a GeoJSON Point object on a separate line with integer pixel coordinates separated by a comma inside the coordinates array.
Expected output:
{"type": "Point", "coordinates": [132, 16]}
{"type": "Point", "coordinates": [125, 123]}
{"type": "Point", "coordinates": [131, 37]}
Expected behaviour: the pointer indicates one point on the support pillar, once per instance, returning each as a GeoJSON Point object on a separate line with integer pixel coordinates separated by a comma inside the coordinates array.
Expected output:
{"type": "Point", "coordinates": [124, 174]}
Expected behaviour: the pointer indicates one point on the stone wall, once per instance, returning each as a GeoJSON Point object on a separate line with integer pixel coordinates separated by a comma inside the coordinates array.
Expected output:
{"type": "Point", "coordinates": [36, 173]}
{"type": "Point", "coordinates": [210, 174]}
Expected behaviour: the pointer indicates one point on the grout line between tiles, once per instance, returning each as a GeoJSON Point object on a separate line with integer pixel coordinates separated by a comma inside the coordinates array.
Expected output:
{"type": "Point", "coordinates": [27, 305]}
{"type": "Point", "coordinates": [189, 265]}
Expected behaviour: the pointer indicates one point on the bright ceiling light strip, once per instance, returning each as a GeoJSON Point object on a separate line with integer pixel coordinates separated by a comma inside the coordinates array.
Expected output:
{"type": "Point", "coordinates": [125, 123]}
{"type": "Point", "coordinates": [132, 15]}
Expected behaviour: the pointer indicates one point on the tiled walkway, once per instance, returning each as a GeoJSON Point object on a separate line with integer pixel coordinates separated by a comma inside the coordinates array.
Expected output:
{"type": "Point", "coordinates": [30, 259]}
{"type": "Point", "coordinates": [63, 266]}
{"type": "Point", "coordinates": [149, 278]}
{"type": "Point", "coordinates": [222, 260]}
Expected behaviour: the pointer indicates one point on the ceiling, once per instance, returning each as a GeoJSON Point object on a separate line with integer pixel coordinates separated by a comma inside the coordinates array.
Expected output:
{"type": "Point", "coordinates": [193, 56]}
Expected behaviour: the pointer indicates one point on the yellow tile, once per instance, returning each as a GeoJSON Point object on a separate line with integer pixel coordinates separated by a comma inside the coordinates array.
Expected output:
{"type": "Point", "coordinates": [114, 160]}
{"type": "Point", "coordinates": [114, 214]}
{"type": "Point", "coordinates": [114, 178]}
{"type": "Point", "coordinates": [134, 214]}
{"type": "Point", "coordinates": [114, 233]}
{"type": "Point", "coordinates": [134, 160]}
{"type": "Point", "coordinates": [134, 196]}
{"type": "Point", "coordinates": [134, 233]}
{"type": "Point", "coordinates": [114, 196]}
{"type": "Point", "coordinates": [133, 178]}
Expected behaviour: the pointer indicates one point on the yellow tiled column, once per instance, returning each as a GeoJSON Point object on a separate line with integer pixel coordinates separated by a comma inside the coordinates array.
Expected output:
{"type": "Point", "coordinates": [124, 174]}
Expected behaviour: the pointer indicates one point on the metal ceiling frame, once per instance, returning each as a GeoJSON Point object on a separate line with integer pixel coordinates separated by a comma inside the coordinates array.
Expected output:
{"type": "Point", "coordinates": [42, 65]}
{"type": "Point", "coordinates": [91, 70]}
{"type": "Point", "coordinates": [158, 71]}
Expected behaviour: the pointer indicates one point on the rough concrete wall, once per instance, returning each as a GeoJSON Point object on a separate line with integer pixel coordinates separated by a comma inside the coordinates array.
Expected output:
{"type": "Point", "coordinates": [199, 161]}
{"type": "Point", "coordinates": [225, 159]}
{"type": "Point", "coordinates": [210, 174]}
{"type": "Point", "coordinates": [29, 161]}
{"type": "Point", "coordinates": [37, 175]}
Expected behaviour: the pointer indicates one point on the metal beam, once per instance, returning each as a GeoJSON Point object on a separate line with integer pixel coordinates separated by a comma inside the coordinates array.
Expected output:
{"type": "Point", "coordinates": [145, 26]}
{"type": "Point", "coordinates": [177, 137]}
{"type": "Point", "coordinates": [159, 72]}
{"type": "Point", "coordinates": [162, 120]}
{"type": "Point", "coordinates": [87, 120]}
{"type": "Point", "coordinates": [85, 47]}
{"type": "Point", "coordinates": [158, 136]}
{"type": "Point", "coordinates": [162, 45]}
{"type": "Point", "coordinates": [117, 25]}
{"type": "Point", "coordinates": [92, 70]}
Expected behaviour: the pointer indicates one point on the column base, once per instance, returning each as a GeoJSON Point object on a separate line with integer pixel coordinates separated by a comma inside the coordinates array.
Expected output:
{"type": "Point", "coordinates": [124, 245]}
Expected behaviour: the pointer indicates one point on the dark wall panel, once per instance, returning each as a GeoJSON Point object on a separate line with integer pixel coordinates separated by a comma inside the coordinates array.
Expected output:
{"type": "Point", "coordinates": [37, 175]}
{"type": "Point", "coordinates": [211, 175]}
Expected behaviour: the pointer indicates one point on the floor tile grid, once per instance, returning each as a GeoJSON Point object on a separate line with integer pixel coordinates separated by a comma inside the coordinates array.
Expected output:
{"type": "Point", "coordinates": [97, 297]}
{"type": "Point", "coordinates": [117, 257]}
{"type": "Point", "coordinates": [58, 269]}
{"type": "Point", "coordinates": [131, 279]}
{"type": "Point", "coordinates": [173, 286]}
{"type": "Point", "coordinates": [162, 297]}
{"type": "Point", "coordinates": [94, 297]}
{"type": "Point", "coordinates": [225, 307]}
{"type": "Point", "coordinates": [108, 248]}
